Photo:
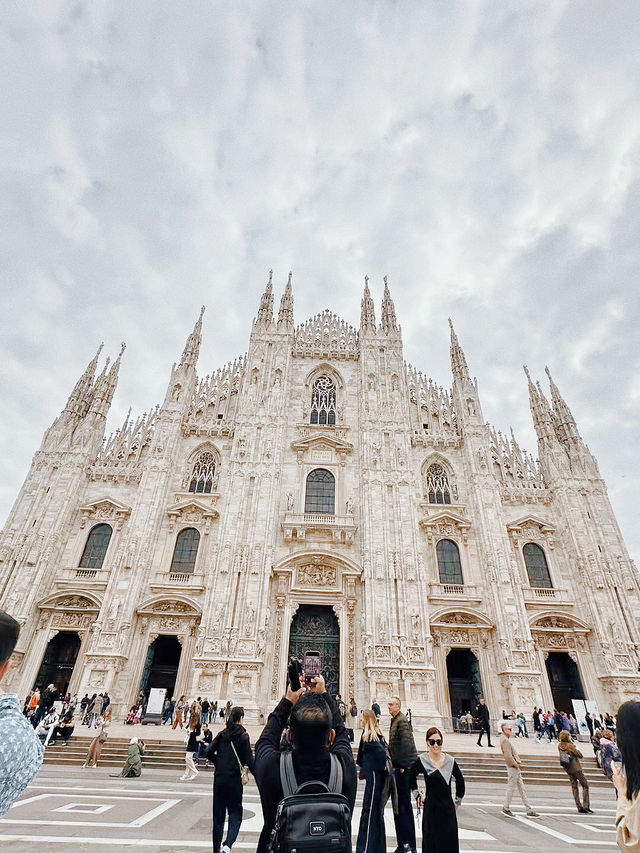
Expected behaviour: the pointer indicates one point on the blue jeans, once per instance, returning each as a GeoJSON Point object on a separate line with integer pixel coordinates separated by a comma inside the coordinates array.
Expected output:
{"type": "Point", "coordinates": [227, 797]}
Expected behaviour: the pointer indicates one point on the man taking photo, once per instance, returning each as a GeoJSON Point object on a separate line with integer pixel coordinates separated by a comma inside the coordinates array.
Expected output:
{"type": "Point", "coordinates": [316, 730]}
{"type": "Point", "coordinates": [21, 753]}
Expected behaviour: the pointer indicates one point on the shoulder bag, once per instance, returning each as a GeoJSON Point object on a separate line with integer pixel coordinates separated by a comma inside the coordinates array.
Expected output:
{"type": "Point", "coordinates": [244, 770]}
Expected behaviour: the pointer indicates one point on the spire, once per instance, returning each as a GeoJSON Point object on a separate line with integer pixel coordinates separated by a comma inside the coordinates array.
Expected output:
{"type": "Point", "coordinates": [106, 386]}
{"type": "Point", "coordinates": [566, 426]}
{"type": "Point", "coordinates": [458, 361]}
{"type": "Point", "coordinates": [285, 314]}
{"type": "Point", "coordinates": [388, 311]}
{"type": "Point", "coordinates": [265, 312]}
{"type": "Point", "coordinates": [367, 311]}
{"type": "Point", "coordinates": [540, 411]}
{"type": "Point", "coordinates": [82, 386]}
{"type": "Point", "coordinates": [192, 347]}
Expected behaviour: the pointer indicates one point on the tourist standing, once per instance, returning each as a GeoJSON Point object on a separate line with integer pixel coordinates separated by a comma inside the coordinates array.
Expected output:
{"type": "Point", "coordinates": [514, 772]}
{"type": "Point", "coordinates": [374, 766]}
{"type": "Point", "coordinates": [439, 822]}
{"type": "Point", "coordinates": [570, 757]}
{"type": "Point", "coordinates": [21, 753]}
{"type": "Point", "coordinates": [403, 756]}
{"type": "Point", "coordinates": [95, 747]}
{"type": "Point", "coordinates": [626, 778]}
{"type": "Point", "coordinates": [589, 721]}
{"type": "Point", "coordinates": [230, 751]}
{"type": "Point", "coordinates": [204, 714]}
{"type": "Point", "coordinates": [609, 753]}
{"type": "Point", "coordinates": [484, 721]}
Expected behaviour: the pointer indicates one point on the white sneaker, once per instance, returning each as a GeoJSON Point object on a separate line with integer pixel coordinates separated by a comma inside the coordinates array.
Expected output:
{"type": "Point", "coordinates": [182, 779]}
{"type": "Point", "coordinates": [193, 776]}
{"type": "Point", "coordinates": [225, 849]}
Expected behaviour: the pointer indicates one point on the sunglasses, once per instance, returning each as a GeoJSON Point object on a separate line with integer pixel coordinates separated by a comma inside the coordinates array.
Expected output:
{"type": "Point", "coordinates": [434, 742]}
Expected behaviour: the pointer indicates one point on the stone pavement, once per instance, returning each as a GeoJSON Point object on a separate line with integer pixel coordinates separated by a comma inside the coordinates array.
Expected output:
{"type": "Point", "coordinates": [75, 810]}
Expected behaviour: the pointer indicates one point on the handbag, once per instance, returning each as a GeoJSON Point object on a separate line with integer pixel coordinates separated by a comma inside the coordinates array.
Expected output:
{"type": "Point", "coordinates": [244, 770]}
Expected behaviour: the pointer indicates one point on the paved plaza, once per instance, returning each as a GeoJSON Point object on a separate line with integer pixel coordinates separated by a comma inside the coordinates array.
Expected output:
{"type": "Point", "coordinates": [75, 810]}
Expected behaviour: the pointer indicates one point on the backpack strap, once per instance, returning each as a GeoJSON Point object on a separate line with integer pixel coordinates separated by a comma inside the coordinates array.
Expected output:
{"type": "Point", "coordinates": [289, 782]}
{"type": "Point", "coordinates": [287, 774]}
{"type": "Point", "coordinates": [335, 776]}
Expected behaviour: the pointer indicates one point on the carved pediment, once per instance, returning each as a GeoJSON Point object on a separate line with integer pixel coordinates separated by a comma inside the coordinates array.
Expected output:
{"type": "Point", "coordinates": [457, 618]}
{"type": "Point", "coordinates": [70, 603]}
{"type": "Point", "coordinates": [192, 511]}
{"type": "Point", "coordinates": [170, 607]}
{"type": "Point", "coordinates": [530, 528]}
{"type": "Point", "coordinates": [322, 440]}
{"type": "Point", "coordinates": [446, 523]}
{"type": "Point", "coordinates": [559, 622]}
{"type": "Point", "coordinates": [105, 509]}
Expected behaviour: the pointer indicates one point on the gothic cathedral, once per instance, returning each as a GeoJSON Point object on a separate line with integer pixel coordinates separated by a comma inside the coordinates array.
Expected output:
{"type": "Point", "coordinates": [319, 494]}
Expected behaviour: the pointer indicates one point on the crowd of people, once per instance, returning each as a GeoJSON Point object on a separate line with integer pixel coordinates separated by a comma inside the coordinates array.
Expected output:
{"type": "Point", "coordinates": [305, 747]}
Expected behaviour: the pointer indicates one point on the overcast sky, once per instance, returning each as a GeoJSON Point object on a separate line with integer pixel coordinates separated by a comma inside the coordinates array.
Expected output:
{"type": "Point", "coordinates": [157, 156]}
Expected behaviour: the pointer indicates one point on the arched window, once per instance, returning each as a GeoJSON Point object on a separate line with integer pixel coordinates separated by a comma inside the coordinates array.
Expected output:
{"type": "Point", "coordinates": [184, 554]}
{"type": "Point", "coordinates": [320, 497]}
{"type": "Point", "coordinates": [449, 562]}
{"type": "Point", "coordinates": [96, 547]}
{"type": "Point", "coordinates": [203, 473]}
{"type": "Point", "coordinates": [537, 568]}
{"type": "Point", "coordinates": [438, 489]}
{"type": "Point", "coordinates": [323, 401]}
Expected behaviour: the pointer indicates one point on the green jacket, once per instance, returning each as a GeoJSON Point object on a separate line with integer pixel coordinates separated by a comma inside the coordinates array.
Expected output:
{"type": "Point", "coordinates": [401, 743]}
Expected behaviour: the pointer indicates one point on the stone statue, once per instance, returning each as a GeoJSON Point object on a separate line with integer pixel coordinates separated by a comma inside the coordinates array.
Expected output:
{"type": "Point", "coordinates": [349, 506]}
{"type": "Point", "coordinates": [289, 501]}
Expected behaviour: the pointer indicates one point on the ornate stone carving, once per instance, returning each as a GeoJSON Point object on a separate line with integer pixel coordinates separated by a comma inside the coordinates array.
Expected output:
{"type": "Point", "coordinates": [316, 575]}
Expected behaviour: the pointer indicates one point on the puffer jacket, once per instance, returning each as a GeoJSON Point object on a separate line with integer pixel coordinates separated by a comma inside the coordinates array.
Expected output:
{"type": "Point", "coordinates": [401, 743]}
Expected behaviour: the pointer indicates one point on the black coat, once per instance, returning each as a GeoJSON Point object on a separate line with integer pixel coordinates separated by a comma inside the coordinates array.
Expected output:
{"type": "Point", "coordinates": [268, 764]}
{"type": "Point", "coordinates": [223, 757]}
{"type": "Point", "coordinates": [482, 714]}
{"type": "Point", "coordinates": [401, 743]}
{"type": "Point", "coordinates": [439, 822]}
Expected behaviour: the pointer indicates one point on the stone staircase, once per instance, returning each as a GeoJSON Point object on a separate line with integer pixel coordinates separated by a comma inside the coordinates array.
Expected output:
{"type": "Point", "coordinates": [543, 769]}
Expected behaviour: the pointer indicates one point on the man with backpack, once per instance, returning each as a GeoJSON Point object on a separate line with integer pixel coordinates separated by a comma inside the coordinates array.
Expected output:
{"type": "Point", "coordinates": [319, 752]}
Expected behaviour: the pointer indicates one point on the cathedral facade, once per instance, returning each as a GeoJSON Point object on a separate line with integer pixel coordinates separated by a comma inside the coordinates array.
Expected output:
{"type": "Point", "coordinates": [319, 494]}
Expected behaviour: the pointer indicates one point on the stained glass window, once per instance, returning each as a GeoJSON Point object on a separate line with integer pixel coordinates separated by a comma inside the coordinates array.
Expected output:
{"type": "Point", "coordinates": [537, 567]}
{"type": "Point", "coordinates": [438, 485]}
{"type": "Point", "coordinates": [185, 552]}
{"type": "Point", "coordinates": [203, 473]}
{"type": "Point", "coordinates": [320, 496]}
{"type": "Point", "coordinates": [449, 562]}
{"type": "Point", "coordinates": [96, 547]}
{"type": "Point", "coordinates": [323, 401]}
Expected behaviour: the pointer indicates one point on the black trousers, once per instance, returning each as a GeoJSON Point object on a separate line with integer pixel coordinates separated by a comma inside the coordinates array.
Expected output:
{"type": "Point", "coordinates": [485, 727]}
{"type": "Point", "coordinates": [405, 826]}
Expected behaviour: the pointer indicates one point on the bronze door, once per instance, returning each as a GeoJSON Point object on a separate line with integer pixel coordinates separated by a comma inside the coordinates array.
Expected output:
{"type": "Point", "coordinates": [315, 627]}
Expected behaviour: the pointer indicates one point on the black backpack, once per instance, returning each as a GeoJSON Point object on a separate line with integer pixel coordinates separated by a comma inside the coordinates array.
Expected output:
{"type": "Point", "coordinates": [315, 822]}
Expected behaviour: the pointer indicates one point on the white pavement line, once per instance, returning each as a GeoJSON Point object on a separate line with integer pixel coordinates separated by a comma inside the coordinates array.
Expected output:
{"type": "Point", "coordinates": [559, 835]}
{"type": "Point", "coordinates": [145, 818]}
{"type": "Point", "coordinates": [157, 842]}
{"type": "Point", "coordinates": [29, 800]}
{"type": "Point", "coordinates": [596, 827]}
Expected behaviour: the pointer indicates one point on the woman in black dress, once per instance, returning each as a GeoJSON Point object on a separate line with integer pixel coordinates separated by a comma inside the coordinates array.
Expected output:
{"type": "Point", "coordinates": [439, 823]}
{"type": "Point", "coordinates": [372, 761]}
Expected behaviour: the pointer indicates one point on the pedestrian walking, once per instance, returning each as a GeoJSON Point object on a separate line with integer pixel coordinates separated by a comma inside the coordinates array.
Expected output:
{"type": "Point", "coordinates": [181, 704]}
{"type": "Point", "coordinates": [484, 721]}
{"type": "Point", "coordinates": [95, 747]}
{"type": "Point", "coordinates": [403, 756]}
{"type": "Point", "coordinates": [439, 822]}
{"type": "Point", "coordinates": [191, 771]}
{"type": "Point", "coordinates": [21, 753]}
{"type": "Point", "coordinates": [589, 721]}
{"type": "Point", "coordinates": [374, 763]}
{"type": "Point", "coordinates": [626, 778]}
{"type": "Point", "coordinates": [609, 753]}
{"type": "Point", "coordinates": [95, 709]}
{"type": "Point", "coordinates": [204, 714]}
{"type": "Point", "coordinates": [570, 757]}
{"type": "Point", "coordinates": [230, 752]}
{"type": "Point", "coordinates": [47, 699]}
{"type": "Point", "coordinates": [514, 772]}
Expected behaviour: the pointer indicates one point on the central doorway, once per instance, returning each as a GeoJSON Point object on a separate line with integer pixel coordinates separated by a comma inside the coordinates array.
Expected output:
{"type": "Point", "coordinates": [564, 680]}
{"type": "Point", "coordinates": [465, 684]}
{"type": "Point", "coordinates": [315, 628]}
{"type": "Point", "coordinates": [58, 662]}
{"type": "Point", "coordinates": [161, 665]}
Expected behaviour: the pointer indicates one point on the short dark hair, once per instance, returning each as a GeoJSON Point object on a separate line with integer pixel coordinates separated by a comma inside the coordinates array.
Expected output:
{"type": "Point", "coordinates": [235, 714]}
{"type": "Point", "coordinates": [628, 737]}
{"type": "Point", "coordinates": [310, 723]}
{"type": "Point", "coordinates": [9, 633]}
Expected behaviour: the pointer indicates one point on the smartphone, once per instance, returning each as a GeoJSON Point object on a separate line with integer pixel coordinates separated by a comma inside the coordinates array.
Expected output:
{"type": "Point", "coordinates": [294, 671]}
{"type": "Point", "coordinates": [312, 665]}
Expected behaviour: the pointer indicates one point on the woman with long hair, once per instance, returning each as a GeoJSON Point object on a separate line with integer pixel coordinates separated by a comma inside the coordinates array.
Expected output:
{"type": "Point", "coordinates": [95, 747]}
{"type": "Point", "coordinates": [627, 778]}
{"type": "Point", "coordinates": [373, 762]}
{"type": "Point", "coordinates": [181, 704]}
{"type": "Point", "coordinates": [439, 822]}
{"type": "Point", "coordinates": [230, 752]}
{"type": "Point", "coordinates": [570, 757]}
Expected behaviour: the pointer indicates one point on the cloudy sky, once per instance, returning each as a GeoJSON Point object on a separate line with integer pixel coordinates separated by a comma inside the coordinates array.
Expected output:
{"type": "Point", "coordinates": [160, 155]}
